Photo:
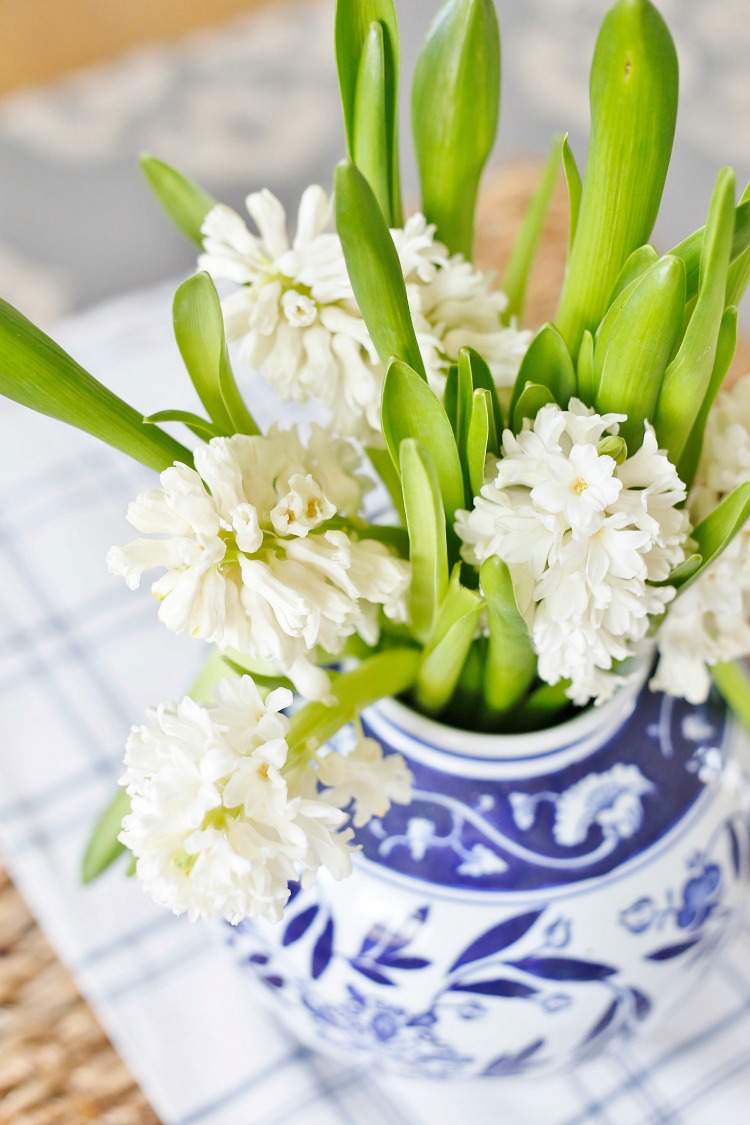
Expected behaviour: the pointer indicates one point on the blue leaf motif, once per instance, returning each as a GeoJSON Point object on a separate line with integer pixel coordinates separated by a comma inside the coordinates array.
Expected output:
{"type": "Point", "coordinates": [512, 1064]}
{"type": "Point", "coordinates": [670, 951]}
{"type": "Point", "coordinates": [499, 937]}
{"type": "Point", "coordinates": [642, 1004]}
{"type": "Point", "coordinates": [323, 951]}
{"type": "Point", "coordinates": [734, 848]}
{"type": "Point", "coordinates": [512, 989]}
{"type": "Point", "coordinates": [273, 982]}
{"type": "Point", "coordinates": [563, 968]}
{"type": "Point", "coordinates": [403, 962]}
{"type": "Point", "coordinates": [299, 925]}
{"type": "Point", "coordinates": [370, 972]}
{"type": "Point", "coordinates": [602, 1025]}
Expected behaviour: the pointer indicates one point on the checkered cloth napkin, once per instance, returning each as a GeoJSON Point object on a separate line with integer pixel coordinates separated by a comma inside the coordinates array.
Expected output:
{"type": "Point", "coordinates": [80, 659]}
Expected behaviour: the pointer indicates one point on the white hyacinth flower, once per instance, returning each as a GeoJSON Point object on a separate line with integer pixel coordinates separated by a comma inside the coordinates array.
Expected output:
{"type": "Point", "coordinates": [710, 622]}
{"type": "Point", "coordinates": [249, 562]}
{"type": "Point", "coordinates": [217, 825]}
{"type": "Point", "coordinates": [368, 778]}
{"type": "Point", "coordinates": [583, 538]}
{"type": "Point", "coordinates": [300, 325]}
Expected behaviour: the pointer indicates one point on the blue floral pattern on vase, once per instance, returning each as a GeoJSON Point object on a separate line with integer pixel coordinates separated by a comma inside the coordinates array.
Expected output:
{"type": "Point", "coordinates": [520, 919]}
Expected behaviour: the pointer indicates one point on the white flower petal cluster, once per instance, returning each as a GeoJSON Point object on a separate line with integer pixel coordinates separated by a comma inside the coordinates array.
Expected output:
{"type": "Point", "coordinates": [710, 622]}
{"type": "Point", "coordinates": [368, 778]}
{"type": "Point", "coordinates": [583, 538]}
{"type": "Point", "coordinates": [217, 828]}
{"type": "Point", "coordinates": [248, 561]}
{"type": "Point", "coordinates": [300, 325]}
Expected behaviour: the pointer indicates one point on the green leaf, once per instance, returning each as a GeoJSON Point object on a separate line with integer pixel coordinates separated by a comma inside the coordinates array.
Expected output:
{"type": "Point", "coordinates": [425, 520]}
{"type": "Point", "coordinates": [726, 345]}
{"type": "Point", "coordinates": [481, 377]}
{"type": "Point", "coordinates": [690, 248]}
{"type": "Point", "coordinates": [199, 331]}
{"type": "Point", "coordinates": [585, 378]}
{"type": "Point", "coordinates": [544, 704]}
{"type": "Point", "coordinates": [103, 847]}
{"type": "Point", "coordinates": [575, 187]}
{"type": "Point", "coordinates": [738, 275]}
{"type": "Point", "coordinates": [199, 426]}
{"type": "Point", "coordinates": [36, 372]}
{"type": "Point", "coordinates": [354, 20]}
{"type": "Point", "coordinates": [547, 361]}
{"type": "Point", "coordinates": [450, 397]}
{"type": "Point", "coordinates": [371, 149]}
{"type": "Point", "coordinates": [531, 400]}
{"type": "Point", "coordinates": [185, 203]}
{"type": "Point", "coordinates": [455, 107]}
{"type": "Point", "coordinates": [714, 534]}
{"type": "Point", "coordinates": [733, 684]}
{"type": "Point", "coordinates": [464, 404]}
{"type": "Point", "coordinates": [374, 269]}
{"type": "Point", "coordinates": [383, 465]}
{"type": "Point", "coordinates": [521, 261]}
{"type": "Point", "coordinates": [481, 439]}
{"type": "Point", "coordinates": [511, 660]}
{"type": "Point", "coordinates": [640, 347]}
{"type": "Point", "coordinates": [636, 265]}
{"type": "Point", "coordinates": [448, 646]}
{"type": "Point", "coordinates": [411, 409]}
{"type": "Point", "coordinates": [633, 94]}
{"type": "Point", "coordinates": [688, 377]}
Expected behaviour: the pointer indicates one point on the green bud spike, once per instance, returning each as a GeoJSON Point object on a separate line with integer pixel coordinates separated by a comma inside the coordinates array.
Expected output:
{"type": "Point", "coordinates": [640, 347]}
{"type": "Point", "coordinates": [687, 379]}
{"type": "Point", "coordinates": [354, 20]}
{"type": "Point", "coordinates": [633, 92]}
{"type": "Point", "coordinates": [455, 107]}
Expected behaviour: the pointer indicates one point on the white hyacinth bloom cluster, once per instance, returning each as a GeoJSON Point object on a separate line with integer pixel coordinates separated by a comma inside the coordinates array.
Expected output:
{"type": "Point", "coordinates": [300, 325]}
{"type": "Point", "coordinates": [710, 622]}
{"type": "Point", "coordinates": [221, 822]}
{"type": "Point", "coordinates": [583, 538]}
{"type": "Point", "coordinates": [367, 778]}
{"type": "Point", "coordinates": [249, 563]}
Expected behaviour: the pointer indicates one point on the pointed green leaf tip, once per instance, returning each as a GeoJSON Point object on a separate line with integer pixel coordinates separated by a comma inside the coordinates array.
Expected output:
{"type": "Point", "coordinates": [199, 331]}
{"type": "Point", "coordinates": [374, 269]}
{"type": "Point", "coordinates": [633, 93]}
{"type": "Point", "coordinates": [455, 108]}
{"type": "Point", "coordinates": [186, 203]}
{"type": "Point", "coordinates": [369, 70]}
{"type": "Point", "coordinates": [36, 372]}
{"type": "Point", "coordinates": [411, 409]}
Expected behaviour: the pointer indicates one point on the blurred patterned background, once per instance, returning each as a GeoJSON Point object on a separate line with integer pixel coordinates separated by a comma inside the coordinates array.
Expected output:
{"type": "Point", "coordinates": [252, 101]}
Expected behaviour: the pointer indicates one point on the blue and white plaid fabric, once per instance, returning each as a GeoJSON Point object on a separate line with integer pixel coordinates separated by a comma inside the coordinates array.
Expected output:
{"type": "Point", "coordinates": [80, 659]}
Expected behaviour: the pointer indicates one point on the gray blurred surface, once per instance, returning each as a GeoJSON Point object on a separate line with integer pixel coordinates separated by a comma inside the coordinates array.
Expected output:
{"type": "Point", "coordinates": [255, 103]}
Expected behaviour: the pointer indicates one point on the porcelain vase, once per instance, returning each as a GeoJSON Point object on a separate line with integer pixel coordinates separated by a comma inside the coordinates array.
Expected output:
{"type": "Point", "coordinates": [542, 895]}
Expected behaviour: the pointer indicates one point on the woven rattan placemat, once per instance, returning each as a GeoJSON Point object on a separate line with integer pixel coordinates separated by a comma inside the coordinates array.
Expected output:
{"type": "Point", "coordinates": [56, 1064]}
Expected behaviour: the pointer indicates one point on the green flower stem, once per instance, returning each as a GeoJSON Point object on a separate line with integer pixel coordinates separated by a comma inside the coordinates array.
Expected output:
{"type": "Point", "coordinates": [387, 673]}
{"type": "Point", "coordinates": [734, 685]}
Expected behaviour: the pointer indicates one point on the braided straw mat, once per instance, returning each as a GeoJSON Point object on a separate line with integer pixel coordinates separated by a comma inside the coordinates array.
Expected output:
{"type": "Point", "coordinates": [56, 1064]}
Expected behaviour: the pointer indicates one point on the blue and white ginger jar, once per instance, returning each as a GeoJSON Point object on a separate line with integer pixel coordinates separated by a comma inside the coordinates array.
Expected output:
{"type": "Point", "coordinates": [542, 895]}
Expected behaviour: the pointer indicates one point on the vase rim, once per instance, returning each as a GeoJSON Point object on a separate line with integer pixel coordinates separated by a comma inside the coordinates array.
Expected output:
{"type": "Point", "coordinates": [593, 726]}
